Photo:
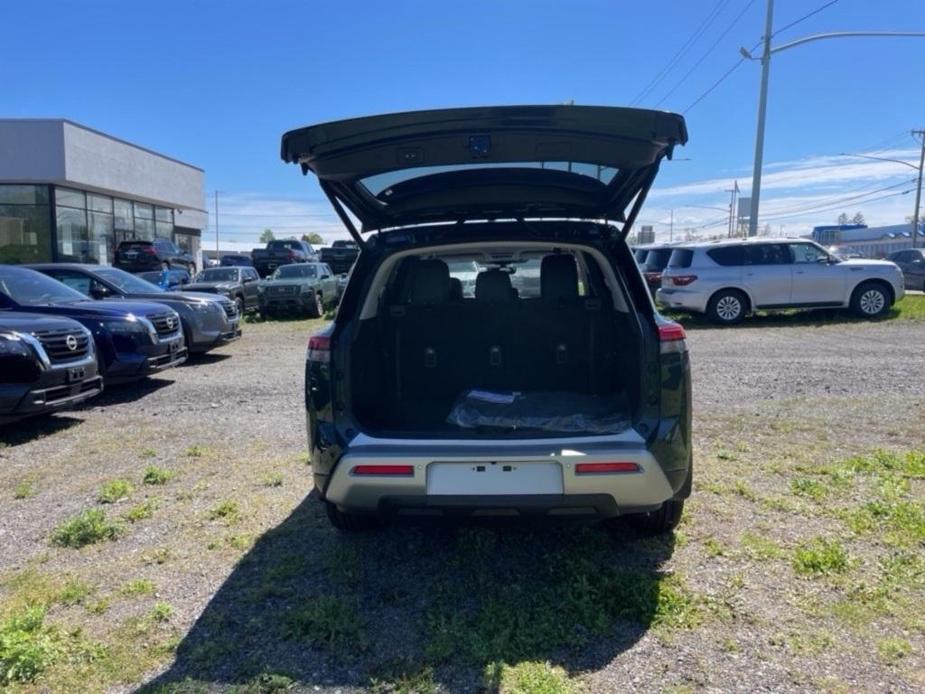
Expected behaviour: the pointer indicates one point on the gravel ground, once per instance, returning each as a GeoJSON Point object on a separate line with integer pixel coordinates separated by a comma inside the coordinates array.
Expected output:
{"type": "Point", "coordinates": [233, 547]}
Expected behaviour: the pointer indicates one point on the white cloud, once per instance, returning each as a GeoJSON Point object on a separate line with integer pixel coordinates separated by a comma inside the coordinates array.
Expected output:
{"type": "Point", "coordinates": [243, 216]}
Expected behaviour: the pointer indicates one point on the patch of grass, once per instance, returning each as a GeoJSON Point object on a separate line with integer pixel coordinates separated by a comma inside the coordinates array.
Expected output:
{"type": "Point", "coordinates": [86, 528]}
{"type": "Point", "coordinates": [141, 511]}
{"type": "Point", "coordinates": [742, 489]}
{"type": "Point", "coordinates": [328, 622]}
{"type": "Point", "coordinates": [115, 490]}
{"type": "Point", "coordinates": [195, 451]}
{"type": "Point", "coordinates": [227, 511]}
{"type": "Point", "coordinates": [274, 480]}
{"type": "Point", "coordinates": [264, 683]}
{"type": "Point", "coordinates": [157, 475]}
{"type": "Point", "coordinates": [892, 650]}
{"type": "Point", "coordinates": [820, 557]}
{"type": "Point", "coordinates": [900, 523]}
{"type": "Point", "coordinates": [403, 677]}
{"type": "Point", "coordinates": [529, 677]}
{"type": "Point", "coordinates": [343, 564]}
{"type": "Point", "coordinates": [161, 612]}
{"type": "Point", "coordinates": [910, 307]}
{"type": "Point", "coordinates": [24, 490]}
{"type": "Point", "coordinates": [761, 548]}
{"type": "Point", "coordinates": [138, 586]}
{"type": "Point", "coordinates": [809, 487]}
{"type": "Point", "coordinates": [714, 547]}
{"type": "Point", "coordinates": [148, 453]}
{"type": "Point", "coordinates": [74, 591]}
{"type": "Point", "coordinates": [240, 542]}
{"type": "Point", "coordinates": [27, 646]}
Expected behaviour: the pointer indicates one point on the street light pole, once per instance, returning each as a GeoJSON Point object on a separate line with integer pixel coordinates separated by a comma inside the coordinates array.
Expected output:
{"type": "Point", "coordinates": [763, 92]}
{"type": "Point", "coordinates": [216, 225]}
{"type": "Point", "coordinates": [762, 112]}
{"type": "Point", "coordinates": [918, 190]}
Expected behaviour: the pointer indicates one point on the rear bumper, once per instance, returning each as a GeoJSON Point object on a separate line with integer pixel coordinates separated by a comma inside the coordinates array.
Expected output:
{"type": "Point", "coordinates": [603, 495]}
{"type": "Point", "coordinates": [681, 299]}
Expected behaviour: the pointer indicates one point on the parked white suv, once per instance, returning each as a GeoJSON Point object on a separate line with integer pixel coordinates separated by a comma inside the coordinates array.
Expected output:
{"type": "Point", "coordinates": [727, 279]}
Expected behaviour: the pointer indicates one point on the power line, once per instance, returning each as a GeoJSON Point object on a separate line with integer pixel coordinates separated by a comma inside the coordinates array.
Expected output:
{"type": "Point", "coordinates": [838, 200]}
{"type": "Point", "coordinates": [714, 85]}
{"type": "Point", "coordinates": [831, 208]}
{"type": "Point", "coordinates": [707, 53]}
{"type": "Point", "coordinates": [803, 18]}
{"type": "Point", "coordinates": [694, 37]}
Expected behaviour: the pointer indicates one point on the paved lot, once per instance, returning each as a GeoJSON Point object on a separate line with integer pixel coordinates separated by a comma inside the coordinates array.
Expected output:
{"type": "Point", "coordinates": [215, 580]}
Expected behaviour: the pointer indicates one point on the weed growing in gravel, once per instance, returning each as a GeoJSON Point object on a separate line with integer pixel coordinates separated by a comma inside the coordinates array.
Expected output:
{"type": "Point", "coordinates": [141, 511]}
{"type": "Point", "coordinates": [86, 528]}
{"type": "Point", "coordinates": [225, 510]}
{"type": "Point", "coordinates": [820, 557]}
{"type": "Point", "coordinates": [74, 591]}
{"type": "Point", "coordinates": [274, 480]}
{"type": "Point", "coordinates": [27, 646]}
{"type": "Point", "coordinates": [808, 487]}
{"type": "Point", "coordinates": [161, 612]}
{"type": "Point", "coordinates": [328, 622]}
{"type": "Point", "coordinates": [240, 542]}
{"type": "Point", "coordinates": [115, 490]}
{"type": "Point", "coordinates": [714, 547]}
{"type": "Point", "coordinates": [24, 490]}
{"type": "Point", "coordinates": [343, 564]}
{"type": "Point", "coordinates": [403, 677]}
{"type": "Point", "coordinates": [195, 451]}
{"type": "Point", "coordinates": [761, 548]}
{"type": "Point", "coordinates": [138, 586]}
{"type": "Point", "coordinates": [157, 475]}
{"type": "Point", "coordinates": [148, 453]}
{"type": "Point", "coordinates": [892, 650]}
{"type": "Point", "coordinates": [528, 678]}
{"type": "Point", "coordinates": [265, 683]}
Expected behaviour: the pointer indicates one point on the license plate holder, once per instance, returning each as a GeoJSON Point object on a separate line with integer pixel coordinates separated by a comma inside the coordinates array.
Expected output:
{"type": "Point", "coordinates": [494, 478]}
{"type": "Point", "coordinates": [76, 373]}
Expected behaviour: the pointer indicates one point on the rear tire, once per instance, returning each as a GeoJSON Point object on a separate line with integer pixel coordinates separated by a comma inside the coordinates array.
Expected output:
{"type": "Point", "coordinates": [870, 300]}
{"type": "Point", "coordinates": [316, 310]}
{"type": "Point", "coordinates": [349, 522]}
{"type": "Point", "coordinates": [727, 307]}
{"type": "Point", "coordinates": [658, 522]}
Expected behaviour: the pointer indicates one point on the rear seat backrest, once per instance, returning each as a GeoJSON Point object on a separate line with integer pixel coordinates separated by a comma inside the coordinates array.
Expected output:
{"type": "Point", "coordinates": [558, 278]}
{"type": "Point", "coordinates": [494, 287]}
{"type": "Point", "coordinates": [430, 283]}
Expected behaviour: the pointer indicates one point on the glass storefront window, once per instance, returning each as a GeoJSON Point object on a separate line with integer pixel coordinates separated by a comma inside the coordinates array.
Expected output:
{"type": "Point", "coordinates": [72, 235]}
{"type": "Point", "coordinates": [164, 230]}
{"type": "Point", "coordinates": [66, 197]}
{"type": "Point", "coordinates": [144, 229]}
{"type": "Point", "coordinates": [100, 239]}
{"type": "Point", "coordinates": [23, 195]}
{"type": "Point", "coordinates": [143, 211]}
{"type": "Point", "coordinates": [99, 203]}
{"type": "Point", "coordinates": [25, 230]}
{"type": "Point", "coordinates": [163, 214]}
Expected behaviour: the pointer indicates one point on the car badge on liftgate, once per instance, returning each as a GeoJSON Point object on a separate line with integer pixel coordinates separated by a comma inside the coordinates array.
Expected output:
{"type": "Point", "coordinates": [71, 342]}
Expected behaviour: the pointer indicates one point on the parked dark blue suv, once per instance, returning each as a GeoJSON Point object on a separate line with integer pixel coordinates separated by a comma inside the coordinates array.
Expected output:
{"type": "Point", "coordinates": [133, 339]}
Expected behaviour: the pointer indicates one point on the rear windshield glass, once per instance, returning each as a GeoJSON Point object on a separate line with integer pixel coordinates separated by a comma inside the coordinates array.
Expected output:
{"type": "Point", "coordinates": [280, 245]}
{"type": "Point", "coordinates": [681, 257]}
{"type": "Point", "coordinates": [290, 271]}
{"type": "Point", "coordinates": [378, 183]}
{"type": "Point", "coordinates": [134, 244]}
{"type": "Point", "coordinates": [657, 259]}
{"type": "Point", "coordinates": [218, 275]}
{"type": "Point", "coordinates": [727, 255]}
{"type": "Point", "coordinates": [640, 254]}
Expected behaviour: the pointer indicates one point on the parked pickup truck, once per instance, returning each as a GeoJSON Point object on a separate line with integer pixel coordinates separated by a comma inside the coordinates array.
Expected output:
{"type": "Point", "coordinates": [340, 256]}
{"type": "Point", "coordinates": [283, 252]}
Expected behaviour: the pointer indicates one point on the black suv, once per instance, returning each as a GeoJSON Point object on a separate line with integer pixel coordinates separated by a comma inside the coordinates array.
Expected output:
{"type": "Point", "coordinates": [137, 255]}
{"type": "Point", "coordinates": [550, 385]}
{"type": "Point", "coordinates": [47, 363]}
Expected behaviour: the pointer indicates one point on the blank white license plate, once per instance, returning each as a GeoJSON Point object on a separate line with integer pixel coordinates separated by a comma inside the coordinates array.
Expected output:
{"type": "Point", "coordinates": [494, 478]}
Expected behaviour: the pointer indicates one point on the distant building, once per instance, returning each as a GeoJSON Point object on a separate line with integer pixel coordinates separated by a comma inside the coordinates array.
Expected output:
{"type": "Point", "coordinates": [70, 193]}
{"type": "Point", "coordinates": [646, 234]}
{"type": "Point", "coordinates": [869, 242]}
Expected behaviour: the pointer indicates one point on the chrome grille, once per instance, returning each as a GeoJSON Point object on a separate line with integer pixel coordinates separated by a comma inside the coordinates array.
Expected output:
{"type": "Point", "coordinates": [284, 290]}
{"type": "Point", "coordinates": [166, 324]}
{"type": "Point", "coordinates": [58, 344]}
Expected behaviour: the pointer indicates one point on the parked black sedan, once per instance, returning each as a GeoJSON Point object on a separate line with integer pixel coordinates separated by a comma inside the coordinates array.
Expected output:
{"type": "Point", "coordinates": [208, 320]}
{"type": "Point", "coordinates": [133, 339]}
{"type": "Point", "coordinates": [135, 255]}
{"type": "Point", "coordinates": [47, 363]}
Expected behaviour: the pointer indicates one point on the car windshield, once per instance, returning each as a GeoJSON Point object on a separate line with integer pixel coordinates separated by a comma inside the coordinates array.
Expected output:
{"type": "Point", "coordinates": [291, 271]}
{"type": "Point", "coordinates": [31, 288]}
{"type": "Point", "coordinates": [218, 275]}
{"type": "Point", "coordinates": [130, 284]}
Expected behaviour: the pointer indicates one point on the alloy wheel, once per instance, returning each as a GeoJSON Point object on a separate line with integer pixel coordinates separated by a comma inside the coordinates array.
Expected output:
{"type": "Point", "coordinates": [872, 302]}
{"type": "Point", "coordinates": [729, 308]}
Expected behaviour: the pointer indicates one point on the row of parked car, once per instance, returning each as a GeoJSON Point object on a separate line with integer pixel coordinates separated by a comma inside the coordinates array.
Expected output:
{"type": "Point", "coordinates": [67, 330]}
{"type": "Point", "coordinates": [726, 280]}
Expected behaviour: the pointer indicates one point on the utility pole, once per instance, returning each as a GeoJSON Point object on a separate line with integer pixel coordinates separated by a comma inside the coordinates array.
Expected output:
{"type": "Point", "coordinates": [732, 204]}
{"type": "Point", "coordinates": [216, 225]}
{"type": "Point", "coordinates": [918, 190]}
{"type": "Point", "coordinates": [671, 228]}
{"type": "Point", "coordinates": [762, 109]}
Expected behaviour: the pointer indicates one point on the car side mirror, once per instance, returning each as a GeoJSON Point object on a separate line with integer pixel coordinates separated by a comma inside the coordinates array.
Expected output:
{"type": "Point", "coordinates": [99, 292]}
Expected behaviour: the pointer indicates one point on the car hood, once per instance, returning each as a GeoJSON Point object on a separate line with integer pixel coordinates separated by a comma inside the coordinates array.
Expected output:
{"type": "Point", "coordinates": [30, 322]}
{"type": "Point", "coordinates": [868, 263]}
{"type": "Point", "coordinates": [107, 308]}
{"type": "Point", "coordinates": [501, 162]}
{"type": "Point", "coordinates": [184, 297]}
{"type": "Point", "coordinates": [206, 286]}
{"type": "Point", "coordinates": [289, 282]}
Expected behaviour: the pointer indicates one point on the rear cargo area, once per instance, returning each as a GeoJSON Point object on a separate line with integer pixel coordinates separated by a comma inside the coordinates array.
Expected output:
{"type": "Point", "coordinates": [529, 341]}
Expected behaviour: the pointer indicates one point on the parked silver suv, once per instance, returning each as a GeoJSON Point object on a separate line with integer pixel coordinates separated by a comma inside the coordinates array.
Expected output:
{"type": "Point", "coordinates": [727, 279]}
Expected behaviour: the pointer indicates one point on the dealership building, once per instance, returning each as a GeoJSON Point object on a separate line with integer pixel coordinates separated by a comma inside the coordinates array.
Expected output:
{"type": "Point", "coordinates": [71, 194]}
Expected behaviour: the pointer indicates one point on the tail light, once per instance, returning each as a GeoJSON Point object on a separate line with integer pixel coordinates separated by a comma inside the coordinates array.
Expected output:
{"type": "Point", "coordinates": [150, 250]}
{"type": "Point", "coordinates": [683, 280]}
{"type": "Point", "coordinates": [653, 276]}
{"type": "Point", "coordinates": [319, 349]}
{"type": "Point", "coordinates": [672, 338]}
{"type": "Point", "coordinates": [605, 468]}
{"type": "Point", "coordinates": [383, 470]}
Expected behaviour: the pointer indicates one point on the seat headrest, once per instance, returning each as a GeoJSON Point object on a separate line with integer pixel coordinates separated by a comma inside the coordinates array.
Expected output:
{"type": "Point", "coordinates": [558, 278]}
{"type": "Point", "coordinates": [430, 282]}
{"type": "Point", "coordinates": [456, 289]}
{"type": "Point", "coordinates": [494, 286]}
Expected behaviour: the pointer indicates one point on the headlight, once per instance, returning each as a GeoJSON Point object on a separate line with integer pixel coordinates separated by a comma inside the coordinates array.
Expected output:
{"type": "Point", "coordinates": [14, 345]}
{"type": "Point", "coordinates": [307, 288]}
{"type": "Point", "coordinates": [206, 306]}
{"type": "Point", "coordinates": [132, 325]}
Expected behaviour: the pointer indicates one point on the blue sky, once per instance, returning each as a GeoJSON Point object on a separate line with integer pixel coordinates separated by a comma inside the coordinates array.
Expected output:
{"type": "Point", "coordinates": [216, 84]}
